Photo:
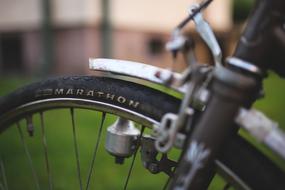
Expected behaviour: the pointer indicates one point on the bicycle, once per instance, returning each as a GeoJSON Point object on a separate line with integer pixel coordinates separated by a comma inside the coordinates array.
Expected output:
{"type": "Point", "coordinates": [207, 138]}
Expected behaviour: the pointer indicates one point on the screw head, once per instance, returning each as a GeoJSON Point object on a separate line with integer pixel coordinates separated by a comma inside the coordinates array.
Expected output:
{"type": "Point", "coordinates": [153, 168]}
{"type": "Point", "coordinates": [119, 160]}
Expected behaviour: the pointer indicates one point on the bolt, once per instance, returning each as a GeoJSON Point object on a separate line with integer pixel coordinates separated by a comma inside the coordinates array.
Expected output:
{"type": "Point", "coordinates": [133, 147]}
{"type": "Point", "coordinates": [153, 168]}
{"type": "Point", "coordinates": [119, 160]}
{"type": "Point", "coordinates": [157, 74]}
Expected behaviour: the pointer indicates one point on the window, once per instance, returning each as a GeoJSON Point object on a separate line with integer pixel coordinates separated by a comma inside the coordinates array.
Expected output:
{"type": "Point", "coordinates": [155, 46]}
{"type": "Point", "coordinates": [11, 58]}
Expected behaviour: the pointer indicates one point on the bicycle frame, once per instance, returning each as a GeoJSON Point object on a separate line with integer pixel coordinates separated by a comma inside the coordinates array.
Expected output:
{"type": "Point", "coordinates": [257, 43]}
{"type": "Point", "coordinates": [239, 82]}
{"type": "Point", "coordinates": [232, 87]}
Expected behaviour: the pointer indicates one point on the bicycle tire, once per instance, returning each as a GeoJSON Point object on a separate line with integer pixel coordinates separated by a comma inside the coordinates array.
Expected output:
{"type": "Point", "coordinates": [253, 168]}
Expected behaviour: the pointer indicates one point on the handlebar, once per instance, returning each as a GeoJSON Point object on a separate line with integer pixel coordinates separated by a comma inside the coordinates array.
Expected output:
{"type": "Point", "coordinates": [258, 40]}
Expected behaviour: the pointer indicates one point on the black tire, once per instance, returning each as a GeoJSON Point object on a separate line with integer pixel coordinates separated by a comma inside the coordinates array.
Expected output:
{"type": "Point", "coordinates": [127, 95]}
{"type": "Point", "coordinates": [239, 156]}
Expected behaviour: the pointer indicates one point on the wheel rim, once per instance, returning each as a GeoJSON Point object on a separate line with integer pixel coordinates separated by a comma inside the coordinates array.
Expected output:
{"type": "Point", "coordinates": [47, 104]}
{"type": "Point", "coordinates": [71, 103]}
{"type": "Point", "coordinates": [43, 106]}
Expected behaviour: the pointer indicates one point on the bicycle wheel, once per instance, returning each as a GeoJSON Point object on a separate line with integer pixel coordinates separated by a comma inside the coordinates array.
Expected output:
{"type": "Point", "coordinates": [132, 101]}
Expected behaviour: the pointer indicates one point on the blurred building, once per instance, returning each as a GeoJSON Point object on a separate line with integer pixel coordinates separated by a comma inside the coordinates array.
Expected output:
{"type": "Point", "coordinates": [139, 30]}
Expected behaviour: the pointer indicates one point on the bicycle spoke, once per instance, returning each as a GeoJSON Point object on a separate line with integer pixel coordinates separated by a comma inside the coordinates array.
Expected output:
{"type": "Point", "coordinates": [27, 152]}
{"type": "Point", "coordinates": [134, 158]}
{"type": "Point", "coordinates": [95, 149]}
{"type": "Point", "coordinates": [44, 141]}
{"type": "Point", "coordinates": [227, 186]}
{"type": "Point", "coordinates": [3, 174]}
{"type": "Point", "coordinates": [166, 184]}
{"type": "Point", "coordinates": [76, 148]}
{"type": "Point", "coordinates": [169, 178]}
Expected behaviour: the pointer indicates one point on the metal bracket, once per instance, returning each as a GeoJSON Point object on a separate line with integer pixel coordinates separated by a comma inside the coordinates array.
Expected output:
{"type": "Point", "coordinates": [205, 31]}
{"type": "Point", "coordinates": [197, 95]}
{"type": "Point", "coordinates": [234, 61]}
{"type": "Point", "coordinates": [149, 158]}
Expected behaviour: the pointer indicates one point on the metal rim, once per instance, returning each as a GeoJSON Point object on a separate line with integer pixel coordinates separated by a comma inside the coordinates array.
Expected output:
{"type": "Point", "coordinates": [54, 103]}
{"type": "Point", "coordinates": [57, 103]}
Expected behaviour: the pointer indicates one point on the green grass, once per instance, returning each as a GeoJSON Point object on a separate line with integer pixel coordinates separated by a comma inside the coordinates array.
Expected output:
{"type": "Point", "coordinates": [106, 175]}
{"type": "Point", "coordinates": [273, 104]}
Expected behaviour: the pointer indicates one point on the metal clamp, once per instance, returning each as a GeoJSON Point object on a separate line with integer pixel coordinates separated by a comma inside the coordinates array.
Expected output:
{"type": "Point", "coordinates": [244, 65]}
{"type": "Point", "coordinates": [166, 133]}
{"type": "Point", "coordinates": [150, 162]}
